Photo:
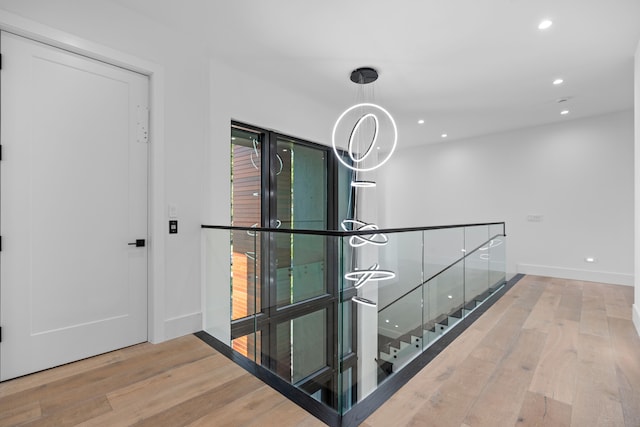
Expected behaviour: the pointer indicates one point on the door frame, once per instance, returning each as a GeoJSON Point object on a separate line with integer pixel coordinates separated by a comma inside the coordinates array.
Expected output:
{"type": "Point", "coordinates": [33, 30]}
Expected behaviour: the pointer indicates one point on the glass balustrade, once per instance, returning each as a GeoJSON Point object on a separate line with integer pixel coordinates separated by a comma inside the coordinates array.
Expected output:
{"type": "Point", "coordinates": [336, 314]}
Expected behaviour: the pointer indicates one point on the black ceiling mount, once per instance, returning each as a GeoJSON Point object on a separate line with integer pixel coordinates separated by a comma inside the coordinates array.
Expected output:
{"type": "Point", "coordinates": [364, 75]}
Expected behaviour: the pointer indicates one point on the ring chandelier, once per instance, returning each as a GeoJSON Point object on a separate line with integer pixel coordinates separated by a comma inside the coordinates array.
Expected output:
{"type": "Point", "coordinates": [492, 244]}
{"type": "Point", "coordinates": [378, 239]}
{"type": "Point", "coordinates": [361, 277]}
{"type": "Point", "coordinates": [354, 132]}
{"type": "Point", "coordinates": [374, 116]}
{"type": "Point", "coordinates": [257, 153]}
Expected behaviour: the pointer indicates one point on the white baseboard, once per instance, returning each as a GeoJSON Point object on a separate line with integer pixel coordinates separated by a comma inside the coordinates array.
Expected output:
{"type": "Point", "coordinates": [576, 274]}
{"type": "Point", "coordinates": [182, 325]}
{"type": "Point", "coordinates": [636, 316]}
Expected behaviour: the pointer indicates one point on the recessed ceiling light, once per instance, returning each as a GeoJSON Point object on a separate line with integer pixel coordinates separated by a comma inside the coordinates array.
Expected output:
{"type": "Point", "coordinates": [233, 138]}
{"type": "Point", "coordinates": [444, 135]}
{"type": "Point", "coordinates": [545, 24]}
{"type": "Point", "coordinates": [420, 122]}
{"type": "Point", "coordinates": [564, 112]}
{"type": "Point", "coordinates": [558, 82]}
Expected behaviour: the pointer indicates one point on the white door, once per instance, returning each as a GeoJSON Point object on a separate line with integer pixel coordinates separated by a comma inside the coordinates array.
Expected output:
{"type": "Point", "coordinates": [73, 196]}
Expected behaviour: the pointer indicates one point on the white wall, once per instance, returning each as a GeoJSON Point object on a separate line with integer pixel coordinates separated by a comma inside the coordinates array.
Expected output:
{"type": "Point", "coordinates": [201, 97]}
{"type": "Point", "coordinates": [578, 175]}
{"type": "Point", "coordinates": [636, 306]}
{"type": "Point", "coordinates": [184, 126]}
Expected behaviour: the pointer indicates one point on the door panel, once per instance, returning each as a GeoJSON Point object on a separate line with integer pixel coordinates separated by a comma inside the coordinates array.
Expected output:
{"type": "Point", "coordinates": [73, 193]}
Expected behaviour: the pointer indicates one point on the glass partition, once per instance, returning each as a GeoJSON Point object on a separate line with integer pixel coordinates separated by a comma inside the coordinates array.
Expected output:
{"type": "Point", "coordinates": [496, 255]}
{"type": "Point", "coordinates": [476, 265]}
{"type": "Point", "coordinates": [442, 247]}
{"type": "Point", "coordinates": [335, 314]}
{"type": "Point", "coordinates": [246, 190]}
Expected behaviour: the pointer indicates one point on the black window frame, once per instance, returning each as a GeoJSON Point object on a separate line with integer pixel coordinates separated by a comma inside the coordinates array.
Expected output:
{"type": "Point", "coordinates": [271, 315]}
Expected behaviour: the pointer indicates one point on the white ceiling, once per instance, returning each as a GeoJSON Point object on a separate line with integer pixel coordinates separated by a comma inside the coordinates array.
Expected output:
{"type": "Point", "coordinates": [467, 67]}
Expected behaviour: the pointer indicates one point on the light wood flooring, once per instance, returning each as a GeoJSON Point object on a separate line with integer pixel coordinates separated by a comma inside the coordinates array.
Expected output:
{"type": "Point", "coordinates": [551, 352]}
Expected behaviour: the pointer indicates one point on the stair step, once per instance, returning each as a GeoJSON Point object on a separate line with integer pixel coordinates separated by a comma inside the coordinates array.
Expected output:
{"type": "Point", "coordinates": [442, 319]}
{"type": "Point", "coordinates": [457, 313]}
{"type": "Point", "coordinates": [471, 305]}
{"type": "Point", "coordinates": [386, 357]}
{"type": "Point", "coordinates": [394, 353]}
{"type": "Point", "coordinates": [386, 368]}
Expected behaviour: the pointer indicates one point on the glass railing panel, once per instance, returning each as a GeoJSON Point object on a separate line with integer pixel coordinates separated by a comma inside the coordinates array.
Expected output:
{"type": "Point", "coordinates": [402, 256]}
{"type": "Point", "coordinates": [476, 266]}
{"type": "Point", "coordinates": [246, 290]}
{"type": "Point", "coordinates": [218, 284]}
{"type": "Point", "coordinates": [400, 333]}
{"type": "Point", "coordinates": [496, 255]}
{"type": "Point", "coordinates": [378, 269]}
{"type": "Point", "coordinates": [245, 273]}
{"type": "Point", "coordinates": [301, 267]}
{"type": "Point", "coordinates": [249, 346]}
{"type": "Point", "coordinates": [496, 229]}
{"type": "Point", "coordinates": [474, 236]}
{"type": "Point", "coordinates": [345, 323]}
{"type": "Point", "coordinates": [444, 302]}
{"type": "Point", "coordinates": [298, 322]}
{"type": "Point", "coordinates": [442, 247]}
{"type": "Point", "coordinates": [476, 273]}
{"type": "Point", "coordinates": [302, 346]}
{"type": "Point", "coordinates": [337, 315]}
{"type": "Point", "coordinates": [347, 395]}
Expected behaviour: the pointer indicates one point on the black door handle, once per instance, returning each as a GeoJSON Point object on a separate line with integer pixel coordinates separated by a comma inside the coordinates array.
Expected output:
{"type": "Point", "coordinates": [139, 243]}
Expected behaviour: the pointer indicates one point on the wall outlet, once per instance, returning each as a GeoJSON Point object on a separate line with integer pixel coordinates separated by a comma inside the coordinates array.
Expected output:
{"type": "Point", "coordinates": [535, 218]}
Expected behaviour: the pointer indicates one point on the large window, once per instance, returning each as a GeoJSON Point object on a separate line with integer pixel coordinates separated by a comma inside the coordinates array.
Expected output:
{"type": "Point", "coordinates": [284, 291]}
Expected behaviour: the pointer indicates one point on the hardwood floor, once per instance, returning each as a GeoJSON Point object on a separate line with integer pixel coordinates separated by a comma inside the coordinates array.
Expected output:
{"type": "Point", "coordinates": [182, 382]}
{"type": "Point", "coordinates": [551, 352]}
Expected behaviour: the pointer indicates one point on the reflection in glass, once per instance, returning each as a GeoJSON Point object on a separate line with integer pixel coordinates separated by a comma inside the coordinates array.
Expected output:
{"type": "Point", "coordinates": [301, 200]}
{"type": "Point", "coordinates": [302, 346]}
{"type": "Point", "coordinates": [249, 346]}
{"type": "Point", "coordinates": [317, 340]}
{"type": "Point", "coordinates": [245, 212]}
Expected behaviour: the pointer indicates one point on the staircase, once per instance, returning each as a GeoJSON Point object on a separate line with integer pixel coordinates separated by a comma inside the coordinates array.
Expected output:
{"type": "Point", "coordinates": [395, 353]}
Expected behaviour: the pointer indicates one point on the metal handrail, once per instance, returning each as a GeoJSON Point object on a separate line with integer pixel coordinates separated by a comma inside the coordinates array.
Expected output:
{"type": "Point", "coordinates": [440, 272]}
{"type": "Point", "coordinates": [341, 233]}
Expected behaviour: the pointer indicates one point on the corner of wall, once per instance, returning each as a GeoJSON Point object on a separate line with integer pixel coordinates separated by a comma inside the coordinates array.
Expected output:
{"type": "Point", "coordinates": [182, 325]}
{"type": "Point", "coordinates": [636, 306]}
